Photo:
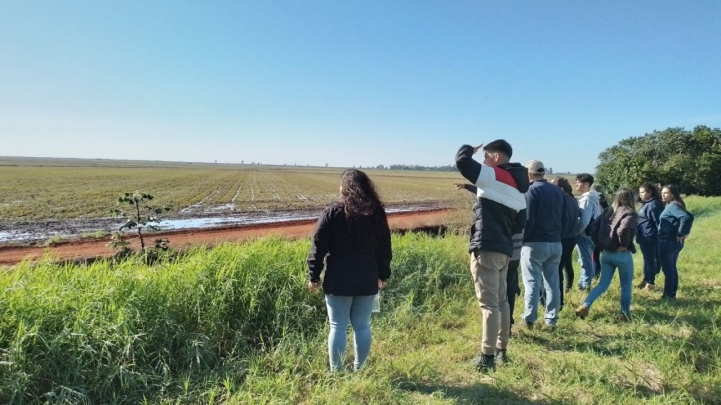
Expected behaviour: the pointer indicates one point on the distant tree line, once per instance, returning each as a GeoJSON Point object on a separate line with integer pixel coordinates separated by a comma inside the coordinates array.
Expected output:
{"type": "Point", "coordinates": [689, 159]}
{"type": "Point", "coordinates": [420, 168]}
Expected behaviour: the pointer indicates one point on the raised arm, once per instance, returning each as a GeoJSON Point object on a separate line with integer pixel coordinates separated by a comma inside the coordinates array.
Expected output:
{"type": "Point", "coordinates": [469, 168]}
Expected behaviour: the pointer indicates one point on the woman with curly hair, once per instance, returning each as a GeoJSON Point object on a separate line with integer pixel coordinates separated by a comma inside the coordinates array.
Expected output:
{"type": "Point", "coordinates": [353, 239]}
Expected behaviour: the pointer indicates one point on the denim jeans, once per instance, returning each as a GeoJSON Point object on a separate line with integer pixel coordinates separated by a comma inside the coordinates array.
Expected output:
{"type": "Point", "coordinates": [610, 261]}
{"type": "Point", "coordinates": [539, 266]}
{"type": "Point", "coordinates": [668, 251]}
{"type": "Point", "coordinates": [651, 262]}
{"type": "Point", "coordinates": [343, 310]}
{"type": "Point", "coordinates": [585, 251]}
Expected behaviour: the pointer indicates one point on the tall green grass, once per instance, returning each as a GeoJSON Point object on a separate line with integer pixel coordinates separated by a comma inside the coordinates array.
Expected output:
{"type": "Point", "coordinates": [235, 324]}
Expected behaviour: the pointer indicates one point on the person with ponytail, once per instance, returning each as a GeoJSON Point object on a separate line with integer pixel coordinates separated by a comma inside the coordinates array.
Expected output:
{"type": "Point", "coordinates": [352, 241]}
{"type": "Point", "coordinates": [673, 229]}
{"type": "Point", "coordinates": [613, 232]}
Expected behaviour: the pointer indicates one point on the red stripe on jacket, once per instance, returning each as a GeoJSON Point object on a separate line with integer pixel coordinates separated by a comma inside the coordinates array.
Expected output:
{"type": "Point", "coordinates": [505, 177]}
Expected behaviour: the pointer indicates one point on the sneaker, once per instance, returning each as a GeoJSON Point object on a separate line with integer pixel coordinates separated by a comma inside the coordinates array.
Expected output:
{"type": "Point", "coordinates": [501, 356]}
{"type": "Point", "coordinates": [582, 312]}
{"type": "Point", "coordinates": [548, 327]}
{"type": "Point", "coordinates": [486, 363]}
{"type": "Point", "coordinates": [649, 287]}
{"type": "Point", "coordinates": [642, 284]}
{"type": "Point", "coordinates": [526, 325]}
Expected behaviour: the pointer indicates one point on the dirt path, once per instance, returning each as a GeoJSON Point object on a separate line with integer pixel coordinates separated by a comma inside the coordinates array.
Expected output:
{"type": "Point", "coordinates": [296, 229]}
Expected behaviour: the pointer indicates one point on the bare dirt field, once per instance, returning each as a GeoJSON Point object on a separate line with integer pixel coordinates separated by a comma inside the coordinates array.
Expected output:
{"type": "Point", "coordinates": [91, 248]}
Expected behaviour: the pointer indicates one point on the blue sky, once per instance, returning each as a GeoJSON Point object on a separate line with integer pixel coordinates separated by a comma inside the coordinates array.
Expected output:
{"type": "Point", "coordinates": [352, 83]}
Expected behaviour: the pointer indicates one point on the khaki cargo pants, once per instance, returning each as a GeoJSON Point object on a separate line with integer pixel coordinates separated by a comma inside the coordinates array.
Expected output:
{"type": "Point", "coordinates": [489, 279]}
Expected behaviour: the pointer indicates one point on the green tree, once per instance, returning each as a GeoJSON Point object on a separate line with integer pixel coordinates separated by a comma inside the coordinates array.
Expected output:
{"type": "Point", "coordinates": [140, 215]}
{"type": "Point", "coordinates": [689, 159]}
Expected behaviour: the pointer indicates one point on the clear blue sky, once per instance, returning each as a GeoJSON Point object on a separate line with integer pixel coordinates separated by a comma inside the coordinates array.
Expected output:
{"type": "Point", "coordinates": [352, 83]}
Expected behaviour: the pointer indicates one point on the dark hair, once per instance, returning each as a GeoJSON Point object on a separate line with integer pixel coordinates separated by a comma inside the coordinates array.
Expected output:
{"type": "Point", "coordinates": [499, 146]}
{"type": "Point", "coordinates": [651, 188]}
{"type": "Point", "coordinates": [585, 178]}
{"type": "Point", "coordinates": [360, 202]}
{"type": "Point", "coordinates": [624, 198]}
{"type": "Point", "coordinates": [564, 184]}
{"type": "Point", "coordinates": [676, 193]}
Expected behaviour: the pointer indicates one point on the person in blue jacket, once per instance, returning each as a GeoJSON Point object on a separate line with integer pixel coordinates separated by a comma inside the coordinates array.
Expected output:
{"type": "Point", "coordinates": [673, 228]}
{"type": "Point", "coordinates": [647, 233]}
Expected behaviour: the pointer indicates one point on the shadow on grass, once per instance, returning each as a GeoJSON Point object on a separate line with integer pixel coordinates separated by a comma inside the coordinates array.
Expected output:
{"type": "Point", "coordinates": [602, 344]}
{"type": "Point", "coordinates": [467, 395]}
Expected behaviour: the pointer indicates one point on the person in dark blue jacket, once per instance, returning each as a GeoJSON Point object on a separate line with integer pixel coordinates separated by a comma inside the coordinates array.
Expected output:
{"type": "Point", "coordinates": [647, 233]}
{"type": "Point", "coordinates": [353, 240]}
{"type": "Point", "coordinates": [568, 235]}
{"type": "Point", "coordinates": [674, 227]}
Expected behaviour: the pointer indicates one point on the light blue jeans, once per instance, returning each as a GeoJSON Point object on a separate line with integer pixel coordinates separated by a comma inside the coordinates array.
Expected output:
{"type": "Point", "coordinates": [585, 251]}
{"type": "Point", "coordinates": [539, 266]}
{"type": "Point", "coordinates": [610, 261]}
{"type": "Point", "coordinates": [343, 310]}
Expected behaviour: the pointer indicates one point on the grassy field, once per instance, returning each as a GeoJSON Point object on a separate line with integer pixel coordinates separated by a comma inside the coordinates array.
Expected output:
{"type": "Point", "coordinates": [37, 189]}
{"type": "Point", "coordinates": [235, 325]}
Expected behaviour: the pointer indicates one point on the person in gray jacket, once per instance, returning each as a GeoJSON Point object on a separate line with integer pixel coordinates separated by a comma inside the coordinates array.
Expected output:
{"type": "Point", "coordinates": [589, 208]}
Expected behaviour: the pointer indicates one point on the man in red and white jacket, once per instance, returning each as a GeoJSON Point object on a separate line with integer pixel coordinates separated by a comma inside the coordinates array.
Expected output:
{"type": "Point", "coordinates": [500, 197]}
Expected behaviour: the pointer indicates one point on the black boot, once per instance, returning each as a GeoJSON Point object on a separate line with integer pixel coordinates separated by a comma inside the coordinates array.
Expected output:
{"type": "Point", "coordinates": [486, 363]}
{"type": "Point", "coordinates": [501, 356]}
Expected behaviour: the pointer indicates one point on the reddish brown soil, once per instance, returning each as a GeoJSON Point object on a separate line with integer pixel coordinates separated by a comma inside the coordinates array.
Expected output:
{"type": "Point", "coordinates": [180, 239]}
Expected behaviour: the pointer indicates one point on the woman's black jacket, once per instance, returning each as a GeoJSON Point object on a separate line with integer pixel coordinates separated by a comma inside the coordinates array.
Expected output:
{"type": "Point", "coordinates": [350, 271]}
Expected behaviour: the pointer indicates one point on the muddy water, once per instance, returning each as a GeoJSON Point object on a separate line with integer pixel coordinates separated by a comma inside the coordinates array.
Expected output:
{"type": "Point", "coordinates": [28, 232]}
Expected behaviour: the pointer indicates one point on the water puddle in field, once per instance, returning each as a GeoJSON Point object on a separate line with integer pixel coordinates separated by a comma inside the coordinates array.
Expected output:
{"type": "Point", "coordinates": [43, 230]}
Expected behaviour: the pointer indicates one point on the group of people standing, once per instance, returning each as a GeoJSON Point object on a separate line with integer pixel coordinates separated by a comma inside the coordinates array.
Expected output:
{"type": "Point", "coordinates": [521, 220]}
{"type": "Point", "coordinates": [550, 225]}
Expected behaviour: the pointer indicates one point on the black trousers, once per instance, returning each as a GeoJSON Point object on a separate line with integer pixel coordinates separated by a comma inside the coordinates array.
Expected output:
{"type": "Point", "coordinates": [513, 289]}
{"type": "Point", "coordinates": [565, 268]}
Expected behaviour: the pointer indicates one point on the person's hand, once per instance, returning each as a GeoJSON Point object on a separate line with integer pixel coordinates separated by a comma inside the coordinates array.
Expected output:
{"type": "Point", "coordinates": [477, 148]}
{"type": "Point", "coordinates": [622, 249]}
{"type": "Point", "coordinates": [313, 287]}
{"type": "Point", "coordinates": [381, 284]}
{"type": "Point", "coordinates": [459, 186]}
{"type": "Point", "coordinates": [681, 239]}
